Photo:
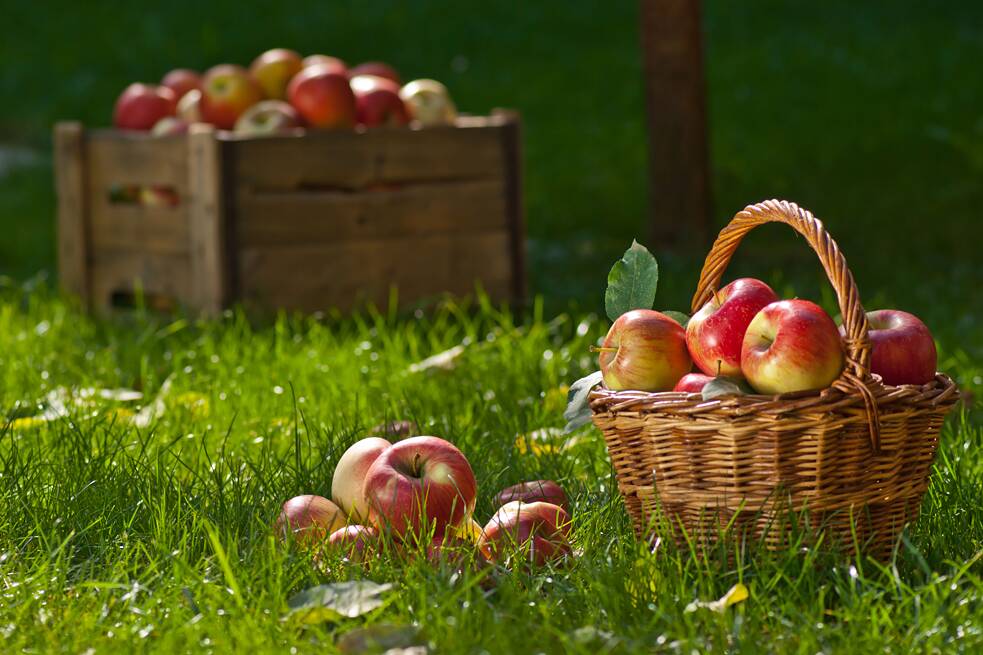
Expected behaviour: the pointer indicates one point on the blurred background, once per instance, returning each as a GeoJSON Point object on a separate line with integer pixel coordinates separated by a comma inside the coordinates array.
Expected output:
{"type": "Point", "coordinates": [869, 114]}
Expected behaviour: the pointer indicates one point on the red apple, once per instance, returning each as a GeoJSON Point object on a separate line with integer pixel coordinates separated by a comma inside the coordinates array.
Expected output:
{"type": "Point", "coordinates": [428, 102]}
{"type": "Point", "coordinates": [227, 91]}
{"type": "Point", "coordinates": [355, 541]}
{"type": "Point", "coordinates": [158, 196]}
{"type": "Point", "coordinates": [181, 80]}
{"type": "Point", "coordinates": [644, 350]}
{"type": "Point", "coordinates": [791, 345]}
{"type": "Point", "coordinates": [692, 383]}
{"type": "Point", "coordinates": [140, 106]}
{"type": "Point", "coordinates": [349, 476]}
{"type": "Point", "coordinates": [377, 101]}
{"type": "Point", "coordinates": [325, 60]}
{"type": "Point", "coordinates": [309, 519]}
{"type": "Point", "coordinates": [168, 126]}
{"type": "Point", "coordinates": [902, 348]}
{"type": "Point", "coordinates": [715, 333]}
{"type": "Point", "coordinates": [538, 532]}
{"type": "Point", "coordinates": [189, 107]}
{"type": "Point", "coordinates": [323, 97]}
{"type": "Point", "coordinates": [530, 492]}
{"type": "Point", "coordinates": [396, 429]}
{"type": "Point", "coordinates": [268, 117]}
{"type": "Point", "coordinates": [418, 483]}
{"type": "Point", "coordinates": [377, 68]}
{"type": "Point", "coordinates": [273, 69]}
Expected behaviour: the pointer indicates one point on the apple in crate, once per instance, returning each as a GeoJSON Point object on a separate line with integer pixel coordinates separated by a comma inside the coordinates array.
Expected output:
{"type": "Point", "coordinates": [537, 532]}
{"type": "Point", "coordinates": [530, 492]}
{"type": "Point", "coordinates": [273, 69]}
{"type": "Point", "coordinates": [715, 333]}
{"type": "Point", "coordinates": [268, 117]}
{"type": "Point", "coordinates": [323, 97]}
{"type": "Point", "coordinates": [181, 81]}
{"type": "Point", "coordinates": [227, 91]}
{"type": "Point", "coordinates": [644, 350]}
{"type": "Point", "coordinates": [169, 126]}
{"type": "Point", "coordinates": [377, 68]}
{"type": "Point", "coordinates": [349, 476]}
{"type": "Point", "coordinates": [902, 350]}
{"type": "Point", "coordinates": [309, 519]}
{"type": "Point", "coordinates": [692, 383]}
{"type": "Point", "coordinates": [418, 483]}
{"type": "Point", "coordinates": [791, 345]}
{"type": "Point", "coordinates": [428, 102]}
{"type": "Point", "coordinates": [355, 541]}
{"type": "Point", "coordinates": [189, 107]}
{"type": "Point", "coordinates": [377, 101]}
{"type": "Point", "coordinates": [141, 106]}
{"type": "Point", "coordinates": [325, 60]}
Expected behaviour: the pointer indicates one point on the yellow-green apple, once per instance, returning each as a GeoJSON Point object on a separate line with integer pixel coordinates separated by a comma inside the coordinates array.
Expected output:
{"type": "Point", "coordinates": [377, 68]}
{"type": "Point", "coordinates": [715, 333]}
{"type": "Point", "coordinates": [644, 350]}
{"type": "Point", "coordinates": [377, 101]}
{"type": "Point", "coordinates": [323, 97]}
{"type": "Point", "coordinates": [355, 541]}
{"type": "Point", "coordinates": [309, 519]}
{"type": "Point", "coordinates": [273, 69]}
{"type": "Point", "coordinates": [349, 476]}
{"type": "Point", "coordinates": [169, 125]}
{"type": "Point", "coordinates": [325, 60]}
{"type": "Point", "coordinates": [902, 350]}
{"type": "Point", "coordinates": [428, 102]}
{"type": "Point", "coordinates": [268, 117]}
{"type": "Point", "coordinates": [530, 492]}
{"type": "Point", "coordinates": [181, 80]}
{"type": "Point", "coordinates": [227, 91]}
{"type": "Point", "coordinates": [418, 484]}
{"type": "Point", "coordinates": [140, 106]}
{"type": "Point", "coordinates": [791, 345]}
{"type": "Point", "coordinates": [536, 532]}
{"type": "Point", "coordinates": [189, 106]}
{"type": "Point", "coordinates": [692, 383]}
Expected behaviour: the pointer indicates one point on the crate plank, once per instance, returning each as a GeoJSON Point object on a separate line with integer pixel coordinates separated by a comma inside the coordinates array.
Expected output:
{"type": "Point", "coordinates": [73, 231]}
{"type": "Point", "coordinates": [162, 230]}
{"type": "Point", "coordinates": [318, 277]}
{"type": "Point", "coordinates": [206, 216]}
{"type": "Point", "coordinates": [353, 160]}
{"type": "Point", "coordinates": [122, 272]}
{"type": "Point", "coordinates": [122, 159]}
{"type": "Point", "coordinates": [294, 217]}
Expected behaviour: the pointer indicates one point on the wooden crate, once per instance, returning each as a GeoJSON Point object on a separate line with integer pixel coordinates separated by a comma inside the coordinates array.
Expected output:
{"type": "Point", "coordinates": [302, 222]}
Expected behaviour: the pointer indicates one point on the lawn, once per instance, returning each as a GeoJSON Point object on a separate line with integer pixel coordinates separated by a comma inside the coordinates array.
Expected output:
{"type": "Point", "coordinates": [124, 529]}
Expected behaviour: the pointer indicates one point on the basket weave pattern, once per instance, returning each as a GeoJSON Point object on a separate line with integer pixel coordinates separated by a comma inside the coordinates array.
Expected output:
{"type": "Point", "coordinates": [856, 456]}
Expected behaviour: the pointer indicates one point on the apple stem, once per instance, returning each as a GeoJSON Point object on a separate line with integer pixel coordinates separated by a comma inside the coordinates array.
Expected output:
{"type": "Point", "coordinates": [602, 349]}
{"type": "Point", "coordinates": [416, 465]}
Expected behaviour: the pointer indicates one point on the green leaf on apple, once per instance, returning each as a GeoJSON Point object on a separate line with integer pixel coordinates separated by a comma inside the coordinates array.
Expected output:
{"type": "Point", "coordinates": [632, 282]}
{"type": "Point", "coordinates": [679, 317]}
{"type": "Point", "coordinates": [329, 602]}
{"type": "Point", "coordinates": [724, 386]}
{"type": "Point", "coordinates": [578, 412]}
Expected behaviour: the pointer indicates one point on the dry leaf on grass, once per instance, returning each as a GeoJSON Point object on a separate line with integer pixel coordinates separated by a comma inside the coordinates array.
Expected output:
{"type": "Point", "coordinates": [736, 594]}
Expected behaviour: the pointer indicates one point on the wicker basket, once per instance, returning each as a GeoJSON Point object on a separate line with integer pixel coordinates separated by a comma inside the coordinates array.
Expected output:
{"type": "Point", "coordinates": [853, 460]}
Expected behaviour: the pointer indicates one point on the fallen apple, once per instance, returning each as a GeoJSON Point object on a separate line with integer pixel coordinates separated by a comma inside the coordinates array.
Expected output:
{"type": "Point", "coordinates": [530, 533]}
{"type": "Point", "coordinates": [309, 519]}
{"type": "Point", "coordinates": [349, 476]}
{"type": "Point", "coordinates": [356, 542]}
{"type": "Point", "coordinates": [536, 490]}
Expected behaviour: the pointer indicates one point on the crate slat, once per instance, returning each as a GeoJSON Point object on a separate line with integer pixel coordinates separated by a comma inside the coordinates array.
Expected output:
{"type": "Point", "coordinates": [159, 230]}
{"type": "Point", "coordinates": [117, 159]}
{"type": "Point", "coordinates": [122, 272]}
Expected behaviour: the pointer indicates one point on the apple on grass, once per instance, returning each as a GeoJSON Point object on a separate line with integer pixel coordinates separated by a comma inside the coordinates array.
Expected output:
{"type": "Point", "coordinates": [715, 333]}
{"type": "Point", "coordinates": [534, 533]}
{"type": "Point", "coordinates": [644, 350]}
{"type": "Point", "coordinates": [181, 81]}
{"type": "Point", "coordinates": [227, 91]}
{"type": "Point", "coordinates": [355, 542]}
{"type": "Point", "coordinates": [791, 345]}
{"type": "Point", "coordinates": [692, 383]}
{"type": "Point", "coordinates": [349, 476]}
{"type": "Point", "coordinates": [428, 102]}
{"type": "Point", "coordinates": [273, 69]}
{"type": "Point", "coordinates": [536, 490]}
{"type": "Point", "coordinates": [309, 519]}
{"type": "Point", "coordinates": [323, 96]}
{"type": "Point", "coordinates": [377, 102]}
{"type": "Point", "coordinates": [902, 350]}
{"type": "Point", "coordinates": [141, 106]}
{"type": "Point", "coordinates": [268, 117]}
{"type": "Point", "coordinates": [419, 484]}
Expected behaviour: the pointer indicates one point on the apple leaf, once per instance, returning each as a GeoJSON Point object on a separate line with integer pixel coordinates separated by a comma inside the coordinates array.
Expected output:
{"type": "Point", "coordinates": [632, 282]}
{"type": "Point", "coordinates": [724, 386]}
{"type": "Point", "coordinates": [578, 412]}
{"type": "Point", "coordinates": [679, 317]}
{"type": "Point", "coordinates": [382, 637]}
{"type": "Point", "coordinates": [329, 602]}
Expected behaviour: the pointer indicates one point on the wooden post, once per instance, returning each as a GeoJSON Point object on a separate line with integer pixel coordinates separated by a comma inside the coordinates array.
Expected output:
{"type": "Point", "coordinates": [512, 143]}
{"type": "Point", "coordinates": [672, 63]}
{"type": "Point", "coordinates": [209, 279]}
{"type": "Point", "coordinates": [73, 210]}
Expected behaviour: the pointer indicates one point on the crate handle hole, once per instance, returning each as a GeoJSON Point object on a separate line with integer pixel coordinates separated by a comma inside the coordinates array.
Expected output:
{"type": "Point", "coordinates": [129, 299]}
{"type": "Point", "coordinates": [143, 195]}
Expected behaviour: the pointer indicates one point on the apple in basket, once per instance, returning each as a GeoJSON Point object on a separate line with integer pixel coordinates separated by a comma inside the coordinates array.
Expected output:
{"type": "Point", "coordinates": [419, 483]}
{"type": "Point", "coordinates": [535, 532]}
{"type": "Point", "coordinates": [791, 345]}
{"type": "Point", "coordinates": [644, 350]}
{"type": "Point", "coordinates": [189, 107]}
{"type": "Point", "coordinates": [141, 106]}
{"type": "Point", "coordinates": [309, 519]}
{"type": "Point", "coordinates": [715, 333]}
{"type": "Point", "coordinates": [323, 96]}
{"type": "Point", "coordinates": [377, 101]}
{"type": "Point", "coordinates": [377, 68]}
{"type": "Point", "coordinates": [326, 60]}
{"type": "Point", "coordinates": [273, 69]}
{"type": "Point", "coordinates": [267, 118]}
{"type": "Point", "coordinates": [902, 350]}
{"type": "Point", "coordinates": [692, 383]}
{"type": "Point", "coordinates": [428, 102]}
{"type": "Point", "coordinates": [181, 80]}
{"type": "Point", "coordinates": [227, 91]}
{"type": "Point", "coordinates": [349, 476]}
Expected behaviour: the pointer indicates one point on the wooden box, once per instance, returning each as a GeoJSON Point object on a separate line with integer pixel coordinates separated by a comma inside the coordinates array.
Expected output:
{"type": "Point", "coordinates": [306, 222]}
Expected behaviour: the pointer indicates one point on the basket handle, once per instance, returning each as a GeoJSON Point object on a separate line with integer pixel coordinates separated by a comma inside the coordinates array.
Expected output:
{"type": "Point", "coordinates": [856, 373]}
